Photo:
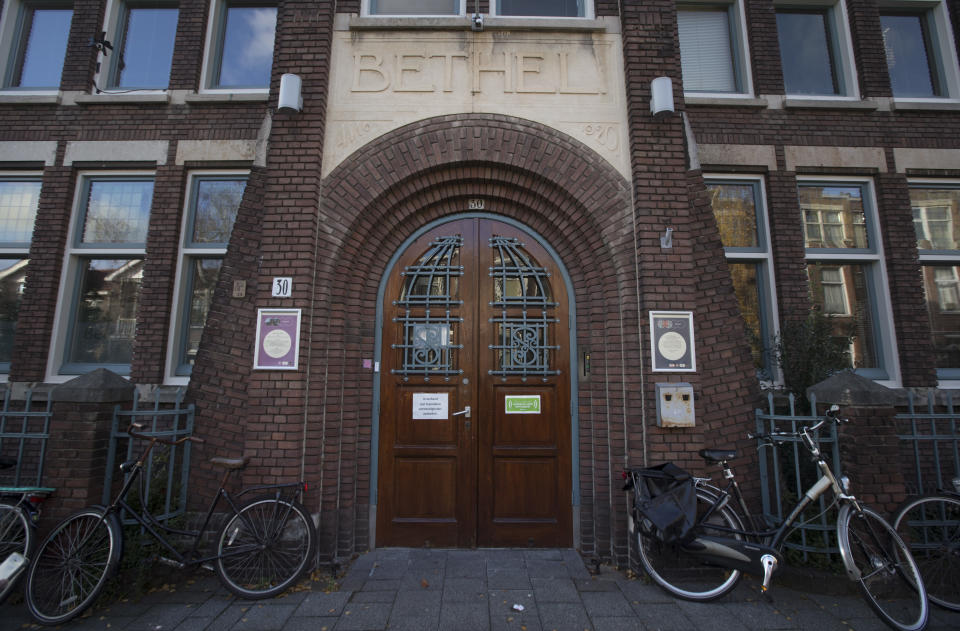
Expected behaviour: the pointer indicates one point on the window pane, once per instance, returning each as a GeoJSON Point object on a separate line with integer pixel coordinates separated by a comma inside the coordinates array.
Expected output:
{"type": "Point", "coordinates": [246, 55]}
{"type": "Point", "coordinates": [417, 7]}
{"type": "Point", "coordinates": [806, 53]}
{"type": "Point", "coordinates": [735, 207]}
{"type": "Point", "coordinates": [203, 281]}
{"type": "Point", "coordinates": [936, 216]}
{"type": "Point", "coordinates": [106, 310]}
{"type": "Point", "coordinates": [941, 286]}
{"type": "Point", "coordinates": [117, 211]}
{"type": "Point", "coordinates": [216, 209]}
{"type": "Point", "coordinates": [856, 317]}
{"type": "Point", "coordinates": [706, 55]}
{"type": "Point", "coordinates": [746, 285]}
{"type": "Point", "coordinates": [43, 46]}
{"type": "Point", "coordinates": [833, 216]}
{"type": "Point", "coordinates": [13, 276]}
{"type": "Point", "coordinates": [18, 210]}
{"type": "Point", "coordinates": [546, 8]}
{"type": "Point", "coordinates": [147, 48]}
{"type": "Point", "coordinates": [909, 55]}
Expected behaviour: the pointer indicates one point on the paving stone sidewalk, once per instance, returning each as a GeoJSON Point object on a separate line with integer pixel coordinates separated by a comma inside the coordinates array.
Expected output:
{"type": "Point", "coordinates": [467, 590]}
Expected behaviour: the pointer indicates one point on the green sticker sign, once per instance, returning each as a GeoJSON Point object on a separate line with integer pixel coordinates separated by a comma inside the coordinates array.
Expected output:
{"type": "Point", "coordinates": [523, 404]}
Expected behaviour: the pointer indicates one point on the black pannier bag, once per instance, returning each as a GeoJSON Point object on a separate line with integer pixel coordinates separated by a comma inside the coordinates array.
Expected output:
{"type": "Point", "coordinates": [666, 501]}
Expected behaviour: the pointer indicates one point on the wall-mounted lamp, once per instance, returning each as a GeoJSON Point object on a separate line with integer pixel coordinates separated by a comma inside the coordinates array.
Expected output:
{"type": "Point", "coordinates": [661, 97]}
{"type": "Point", "coordinates": [476, 22]}
{"type": "Point", "coordinates": [290, 97]}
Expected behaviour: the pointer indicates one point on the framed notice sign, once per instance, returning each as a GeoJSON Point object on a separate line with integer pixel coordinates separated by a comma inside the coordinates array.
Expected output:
{"type": "Point", "coordinates": [671, 341]}
{"type": "Point", "coordinates": [278, 339]}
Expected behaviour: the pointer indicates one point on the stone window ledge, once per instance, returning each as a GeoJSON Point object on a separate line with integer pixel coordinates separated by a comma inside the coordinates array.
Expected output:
{"type": "Point", "coordinates": [150, 97]}
{"type": "Point", "coordinates": [836, 104]}
{"type": "Point", "coordinates": [714, 101]}
{"type": "Point", "coordinates": [925, 106]}
{"type": "Point", "coordinates": [12, 98]}
{"type": "Point", "coordinates": [465, 22]}
{"type": "Point", "coordinates": [227, 97]}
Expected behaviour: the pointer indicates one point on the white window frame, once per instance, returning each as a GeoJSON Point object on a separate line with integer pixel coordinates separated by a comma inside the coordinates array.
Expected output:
{"type": "Point", "coordinates": [9, 43]}
{"type": "Point", "coordinates": [945, 46]}
{"type": "Point", "coordinates": [107, 60]}
{"type": "Point", "coordinates": [588, 13]}
{"type": "Point", "coordinates": [211, 53]}
{"type": "Point", "coordinates": [738, 38]}
{"type": "Point", "coordinates": [73, 256]}
{"type": "Point", "coordinates": [761, 255]}
{"type": "Point", "coordinates": [181, 278]}
{"type": "Point", "coordinates": [365, 12]}
{"type": "Point", "coordinates": [874, 258]}
{"type": "Point", "coordinates": [842, 39]}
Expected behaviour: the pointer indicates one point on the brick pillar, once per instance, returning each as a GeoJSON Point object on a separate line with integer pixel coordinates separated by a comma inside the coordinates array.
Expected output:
{"type": "Point", "coordinates": [869, 447]}
{"type": "Point", "coordinates": [76, 457]}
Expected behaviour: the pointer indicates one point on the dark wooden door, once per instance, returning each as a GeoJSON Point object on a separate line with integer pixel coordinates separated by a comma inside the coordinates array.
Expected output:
{"type": "Point", "coordinates": [475, 316]}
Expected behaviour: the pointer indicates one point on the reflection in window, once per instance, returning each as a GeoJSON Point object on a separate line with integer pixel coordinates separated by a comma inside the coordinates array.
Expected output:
{"type": "Point", "coordinates": [807, 52]}
{"type": "Point", "coordinates": [245, 50]}
{"type": "Point", "coordinates": [215, 210]}
{"type": "Point", "coordinates": [18, 210]}
{"type": "Point", "coordinates": [145, 46]}
{"type": "Point", "coordinates": [117, 211]}
{"type": "Point", "coordinates": [833, 216]}
{"type": "Point", "coordinates": [41, 45]}
{"type": "Point", "coordinates": [202, 283]}
{"type": "Point", "coordinates": [706, 50]}
{"type": "Point", "coordinates": [942, 291]}
{"type": "Point", "coordinates": [19, 198]}
{"type": "Point", "coordinates": [13, 277]}
{"type": "Point", "coordinates": [735, 209]}
{"type": "Point", "coordinates": [414, 7]}
{"type": "Point", "coordinates": [935, 217]}
{"type": "Point", "coordinates": [746, 285]}
{"type": "Point", "coordinates": [911, 55]}
{"type": "Point", "coordinates": [542, 8]}
{"type": "Point", "coordinates": [105, 319]}
{"type": "Point", "coordinates": [843, 292]}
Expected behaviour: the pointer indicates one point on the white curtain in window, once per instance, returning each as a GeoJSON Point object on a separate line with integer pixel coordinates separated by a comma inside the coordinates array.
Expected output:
{"type": "Point", "coordinates": [705, 51]}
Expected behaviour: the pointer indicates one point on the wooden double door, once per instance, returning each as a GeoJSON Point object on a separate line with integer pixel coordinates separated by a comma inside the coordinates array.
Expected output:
{"type": "Point", "coordinates": [474, 446]}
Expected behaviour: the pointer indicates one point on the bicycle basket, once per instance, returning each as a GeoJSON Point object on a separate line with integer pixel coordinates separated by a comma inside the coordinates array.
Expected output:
{"type": "Point", "coordinates": [666, 502]}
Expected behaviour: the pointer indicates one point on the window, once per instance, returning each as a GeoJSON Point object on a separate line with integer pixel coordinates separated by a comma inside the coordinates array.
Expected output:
{"type": "Point", "coordinates": [936, 220]}
{"type": "Point", "coordinates": [241, 45]}
{"type": "Point", "coordinates": [34, 36]}
{"type": "Point", "coordinates": [919, 50]}
{"type": "Point", "coordinates": [740, 211]}
{"type": "Point", "coordinates": [713, 48]}
{"type": "Point", "coordinates": [104, 272]}
{"type": "Point", "coordinates": [814, 50]}
{"type": "Point", "coordinates": [19, 197]}
{"type": "Point", "coordinates": [845, 270]}
{"type": "Point", "coordinates": [543, 8]}
{"type": "Point", "coordinates": [143, 45]}
{"type": "Point", "coordinates": [418, 7]}
{"type": "Point", "coordinates": [214, 199]}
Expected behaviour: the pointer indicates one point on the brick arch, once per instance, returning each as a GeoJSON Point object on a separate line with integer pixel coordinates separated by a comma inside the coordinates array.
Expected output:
{"type": "Point", "coordinates": [557, 187]}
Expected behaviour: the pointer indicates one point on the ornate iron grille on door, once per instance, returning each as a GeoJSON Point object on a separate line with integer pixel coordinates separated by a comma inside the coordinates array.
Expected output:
{"type": "Point", "coordinates": [519, 284]}
{"type": "Point", "coordinates": [430, 286]}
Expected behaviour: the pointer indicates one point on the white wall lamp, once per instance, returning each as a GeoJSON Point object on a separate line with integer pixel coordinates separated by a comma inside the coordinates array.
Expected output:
{"type": "Point", "coordinates": [661, 97]}
{"type": "Point", "coordinates": [290, 97]}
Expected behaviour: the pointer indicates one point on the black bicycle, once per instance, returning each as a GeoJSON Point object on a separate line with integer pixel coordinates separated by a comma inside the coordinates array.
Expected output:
{"type": "Point", "coordinates": [262, 548]}
{"type": "Point", "coordinates": [19, 513]}
{"type": "Point", "coordinates": [705, 559]}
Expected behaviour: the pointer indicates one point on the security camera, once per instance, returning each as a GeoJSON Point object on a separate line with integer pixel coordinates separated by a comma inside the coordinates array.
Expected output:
{"type": "Point", "coordinates": [477, 22]}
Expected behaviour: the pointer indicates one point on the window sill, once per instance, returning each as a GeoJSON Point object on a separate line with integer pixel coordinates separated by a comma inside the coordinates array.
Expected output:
{"type": "Point", "coordinates": [146, 97]}
{"type": "Point", "coordinates": [13, 98]}
{"type": "Point", "coordinates": [465, 23]}
{"type": "Point", "coordinates": [227, 97]}
{"type": "Point", "coordinates": [725, 101]}
{"type": "Point", "coordinates": [925, 105]}
{"type": "Point", "coordinates": [793, 103]}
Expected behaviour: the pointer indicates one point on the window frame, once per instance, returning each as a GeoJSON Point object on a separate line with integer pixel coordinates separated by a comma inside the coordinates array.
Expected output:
{"type": "Point", "coordinates": [840, 38]}
{"type": "Point", "coordinates": [944, 45]}
{"type": "Point", "coordinates": [873, 259]}
{"type": "Point", "coordinates": [189, 251]}
{"type": "Point", "coordinates": [588, 13]}
{"type": "Point", "coordinates": [762, 256]}
{"type": "Point", "coordinates": [740, 47]}
{"type": "Point", "coordinates": [366, 11]}
{"type": "Point", "coordinates": [59, 369]}
{"type": "Point", "coordinates": [13, 40]}
{"type": "Point", "coordinates": [116, 23]}
{"type": "Point", "coordinates": [17, 249]}
{"type": "Point", "coordinates": [213, 48]}
{"type": "Point", "coordinates": [947, 377]}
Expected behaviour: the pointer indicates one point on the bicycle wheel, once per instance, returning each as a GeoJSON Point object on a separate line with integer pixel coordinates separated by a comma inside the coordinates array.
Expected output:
{"type": "Point", "coordinates": [930, 525]}
{"type": "Point", "coordinates": [72, 565]}
{"type": "Point", "coordinates": [878, 559]}
{"type": "Point", "coordinates": [16, 535]}
{"type": "Point", "coordinates": [264, 548]}
{"type": "Point", "coordinates": [681, 573]}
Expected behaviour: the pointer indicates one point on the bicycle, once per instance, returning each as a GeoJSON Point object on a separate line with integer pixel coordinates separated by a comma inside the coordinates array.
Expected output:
{"type": "Point", "coordinates": [930, 524]}
{"type": "Point", "coordinates": [262, 548]}
{"type": "Point", "coordinates": [708, 560]}
{"type": "Point", "coordinates": [19, 513]}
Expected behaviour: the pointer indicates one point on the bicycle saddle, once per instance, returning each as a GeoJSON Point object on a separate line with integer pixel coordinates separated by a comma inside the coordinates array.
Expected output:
{"type": "Point", "coordinates": [231, 463]}
{"type": "Point", "coordinates": [718, 455]}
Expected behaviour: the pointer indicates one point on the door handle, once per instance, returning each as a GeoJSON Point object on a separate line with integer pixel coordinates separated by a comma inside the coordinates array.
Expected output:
{"type": "Point", "coordinates": [465, 412]}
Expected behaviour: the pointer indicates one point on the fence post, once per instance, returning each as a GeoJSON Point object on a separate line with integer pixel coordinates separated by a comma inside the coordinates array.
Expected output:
{"type": "Point", "coordinates": [869, 447]}
{"type": "Point", "coordinates": [80, 438]}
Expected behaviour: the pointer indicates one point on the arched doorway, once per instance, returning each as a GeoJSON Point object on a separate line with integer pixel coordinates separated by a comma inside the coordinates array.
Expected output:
{"type": "Point", "coordinates": [474, 420]}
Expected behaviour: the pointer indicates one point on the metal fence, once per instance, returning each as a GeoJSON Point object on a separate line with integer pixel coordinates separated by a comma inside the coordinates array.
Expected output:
{"type": "Point", "coordinates": [24, 430]}
{"type": "Point", "coordinates": [929, 442]}
{"type": "Point", "coordinates": [166, 475]}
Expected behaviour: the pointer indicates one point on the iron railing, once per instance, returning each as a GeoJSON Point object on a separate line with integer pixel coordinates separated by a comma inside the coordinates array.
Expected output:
{"type": "Point", "coordinates": [24, 430]}
{"type": "Point", "coordinates": [930, 443]}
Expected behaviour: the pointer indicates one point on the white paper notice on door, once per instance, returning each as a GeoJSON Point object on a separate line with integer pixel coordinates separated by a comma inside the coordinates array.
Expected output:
{"type": "Point", "coordinates": [430, 405]}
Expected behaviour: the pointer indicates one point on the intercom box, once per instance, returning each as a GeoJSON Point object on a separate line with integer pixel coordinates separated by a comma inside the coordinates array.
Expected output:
{"type": "Point", "coordinates": [675, 405]}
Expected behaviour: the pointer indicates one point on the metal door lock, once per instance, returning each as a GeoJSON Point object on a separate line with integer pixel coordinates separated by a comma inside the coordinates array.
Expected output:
{"type": "Point", "coordinates": [465, 412]}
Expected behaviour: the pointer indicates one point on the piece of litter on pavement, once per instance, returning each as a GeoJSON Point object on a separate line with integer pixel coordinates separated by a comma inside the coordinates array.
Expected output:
{"type": "Point", "coordinates": [518, 607]}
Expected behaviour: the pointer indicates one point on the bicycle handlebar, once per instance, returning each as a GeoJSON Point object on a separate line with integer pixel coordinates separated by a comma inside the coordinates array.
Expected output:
{"type": "Point", "coordinates": [781, 437]}
{"type": "Point", "coordinates": [163, 441]}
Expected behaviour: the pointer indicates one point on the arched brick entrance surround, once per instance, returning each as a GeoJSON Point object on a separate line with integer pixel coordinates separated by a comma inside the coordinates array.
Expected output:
{"type": "Point", "coordinates": [426, 171]}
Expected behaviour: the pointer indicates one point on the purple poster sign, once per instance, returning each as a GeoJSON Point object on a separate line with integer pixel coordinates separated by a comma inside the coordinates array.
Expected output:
{"type": "Point", "coordinates": [278, 339]}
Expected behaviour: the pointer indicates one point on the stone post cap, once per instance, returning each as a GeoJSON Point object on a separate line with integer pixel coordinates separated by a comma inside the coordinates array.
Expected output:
{"type": "Point", "coordinates": [98, 386]}
{"type": "Point", "coordinates": [849, 388]}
